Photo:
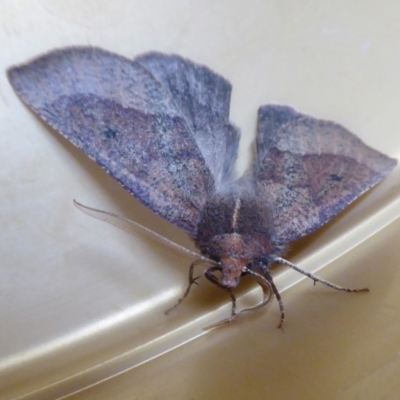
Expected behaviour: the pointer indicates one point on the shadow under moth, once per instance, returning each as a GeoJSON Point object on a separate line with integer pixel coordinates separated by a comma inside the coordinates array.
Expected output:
{"type": "Point", "coordinates": [159, 125]}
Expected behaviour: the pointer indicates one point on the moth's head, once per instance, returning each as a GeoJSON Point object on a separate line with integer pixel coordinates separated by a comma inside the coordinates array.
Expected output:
{"type": "Point", "coordinates": [231, 271]}
{"type": "Point", "coordinates": [233, 255]}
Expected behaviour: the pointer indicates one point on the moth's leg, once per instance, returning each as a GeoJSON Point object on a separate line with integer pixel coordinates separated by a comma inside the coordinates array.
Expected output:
{"type": "Point", "coordinates": [316, 278]}
{"type": "Point", "coordinates": [213, 279]}
{"type": "Point", "coordinates": [191, 282]}
{"type": "Point", "coordinates": [268, 277]}
{"type": "Point", "coordinates": [266, 287]}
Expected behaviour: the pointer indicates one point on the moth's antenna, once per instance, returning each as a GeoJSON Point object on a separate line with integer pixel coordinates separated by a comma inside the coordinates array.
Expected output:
{"type": "Point", "coordinates": [316, 278]}
{"type": "Point", "coordinates": [129, 226]}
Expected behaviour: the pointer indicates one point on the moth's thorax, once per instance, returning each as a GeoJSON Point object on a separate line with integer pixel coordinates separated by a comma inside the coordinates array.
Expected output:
{"type": "Point", "coordinates": [236, 230]}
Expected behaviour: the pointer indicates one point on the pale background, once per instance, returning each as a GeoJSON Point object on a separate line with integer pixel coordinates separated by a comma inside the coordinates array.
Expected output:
{"type": "Point", "coordinates": [81, 302]}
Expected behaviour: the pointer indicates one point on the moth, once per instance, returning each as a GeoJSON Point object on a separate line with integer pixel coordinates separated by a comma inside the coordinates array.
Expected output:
{"type": "Point", "coordinates": [159, 125]}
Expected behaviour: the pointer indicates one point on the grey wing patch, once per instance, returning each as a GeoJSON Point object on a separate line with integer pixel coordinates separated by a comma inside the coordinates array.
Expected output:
{"type": "Point", "coordinates": [271, 118]}
{"type": "Point", "coordinates": [311, 169]}
{"type": "Point", "coordinates": [203, 98]}
{"type": "Point", "coordinates": [126, 121]}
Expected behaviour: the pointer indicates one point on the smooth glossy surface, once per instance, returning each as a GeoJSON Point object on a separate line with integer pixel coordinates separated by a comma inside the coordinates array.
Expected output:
{"type": "Point", "coordinates": [335, 346]}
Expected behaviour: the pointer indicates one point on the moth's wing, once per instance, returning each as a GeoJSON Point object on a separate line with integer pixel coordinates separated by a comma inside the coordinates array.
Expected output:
{"type": "Point", "coordinates": [122, 117]}
{"type": "Point", "coordinates": [203, 99]}
{"type": "Point", "coordinates": [307, 170]}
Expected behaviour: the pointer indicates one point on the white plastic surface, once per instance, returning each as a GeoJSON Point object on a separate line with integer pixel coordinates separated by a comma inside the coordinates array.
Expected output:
{"type": "Point", "coordinates": [81, 302]}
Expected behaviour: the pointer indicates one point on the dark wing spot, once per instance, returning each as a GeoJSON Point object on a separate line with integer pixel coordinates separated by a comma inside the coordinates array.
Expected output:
{"type": "Point", "coordinates": [336, 178]}
{"type": "Point", "coordinates": [109, 133]}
